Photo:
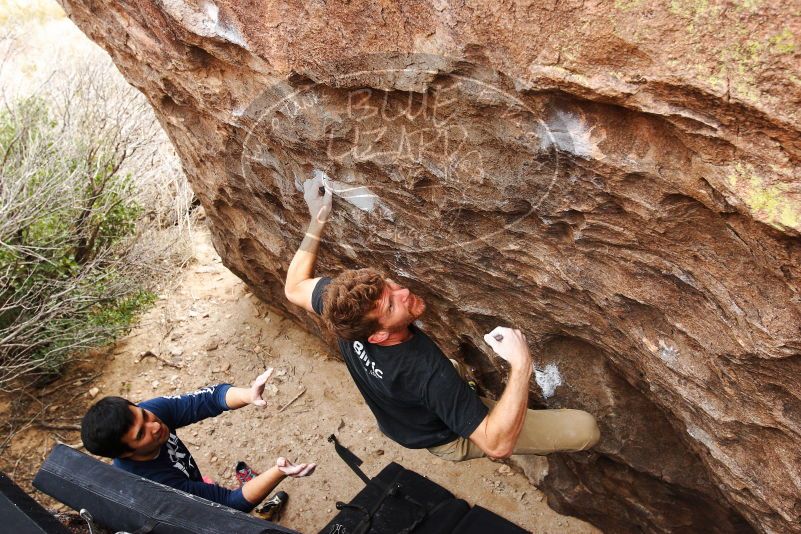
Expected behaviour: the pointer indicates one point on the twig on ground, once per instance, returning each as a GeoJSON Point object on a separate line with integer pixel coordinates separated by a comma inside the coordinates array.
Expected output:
{"type": "Point", "coordinates": [76, 446]}
{"type": "Point", "coordinates": [149, 354]}
{"type": "Point", "coordinates": [14, 431]}
{"type": "Point", "coordinates": [74, 397]}
{"type": "Point", "coordinates": [50, 426]}
{"type": "Point", "coordinates": [14, 470]}
{"type": "Point", "coordinates": [288, 404]}
{"type": "Point", "coordinates": [54, 420]}
{"type": "Point", "coordinates": [44, 447]}
{"type": "Point", "coordinates": [224, 472]}
{"type": "Point", "coordinates": [25, 455]}
{"type": "Point", "coordinates": [77, 382]}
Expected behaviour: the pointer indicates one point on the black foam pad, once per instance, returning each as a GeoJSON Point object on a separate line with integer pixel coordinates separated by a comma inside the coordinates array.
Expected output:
{"type": "Point", "coordinates": [21, 514]}
{"type": "Point", "coordinates": [122, 501]}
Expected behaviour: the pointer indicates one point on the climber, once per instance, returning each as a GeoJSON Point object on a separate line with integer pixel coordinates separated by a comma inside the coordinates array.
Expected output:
{"type": "Point", "coordinates": [419, 398]}
{"type": "Point", "coordinates": [142, 439]}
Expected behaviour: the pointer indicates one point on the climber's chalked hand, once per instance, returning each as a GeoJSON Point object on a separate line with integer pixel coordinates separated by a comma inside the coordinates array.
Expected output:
{"type": "Point", "coordinates": [511, 345]}
{"type": "Point", "coordinates": [318, 193]}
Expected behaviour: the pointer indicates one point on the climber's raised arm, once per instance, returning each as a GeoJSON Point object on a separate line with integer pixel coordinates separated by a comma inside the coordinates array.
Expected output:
{"type": "Point", "coordinates": [498, 433]}
{"type": "Point", "coordinates": [299, 281]}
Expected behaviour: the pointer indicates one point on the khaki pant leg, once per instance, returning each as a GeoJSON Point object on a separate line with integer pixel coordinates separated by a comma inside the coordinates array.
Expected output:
{"type": "Point", "coordinates": [544, 432]}
{"type": "Point", "coordinates": [562, 430]}
{"type": "Point", "coordinates": [458, 450]}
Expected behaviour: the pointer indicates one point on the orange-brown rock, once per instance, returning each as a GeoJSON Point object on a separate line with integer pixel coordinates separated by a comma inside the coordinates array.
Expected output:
{"type": "Point", "coordinates": [618, 179]}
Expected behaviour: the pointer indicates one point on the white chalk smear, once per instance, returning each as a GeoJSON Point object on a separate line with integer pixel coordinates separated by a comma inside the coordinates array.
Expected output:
{"type": "Point", "coordinates": [568, 133]}
{"type": "Point", "coordinates": [356, 195]}
{"type": "Point", "coordinates": [223, 31]}
{"type": "Point", "coordinates": [548, 379]}
{"type": "Point", "coordinates": [668, 353]}
{"type": "Point", "coordinates": [213, 12]}
{"type": "Point", "coordinates": [401, 272]}
{"type": "Point", "coordinates": [701, 436]}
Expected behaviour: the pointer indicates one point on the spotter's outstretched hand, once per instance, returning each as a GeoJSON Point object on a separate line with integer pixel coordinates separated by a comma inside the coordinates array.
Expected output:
{"type": "Point", "coordinates": [257, 388]}
{"type": "Point", "coordinates": [292, 470]}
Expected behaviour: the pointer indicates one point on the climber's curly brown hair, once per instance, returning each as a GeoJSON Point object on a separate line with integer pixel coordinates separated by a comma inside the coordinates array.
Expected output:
{"type": "Point", "coordinates": [348, 300]}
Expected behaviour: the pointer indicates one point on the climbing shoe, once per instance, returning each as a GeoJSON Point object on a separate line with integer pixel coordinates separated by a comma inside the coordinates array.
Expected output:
{"type": "Point", "coordinates": [244, 473]}
{"type": "Point", "coordinates": [271, 508]}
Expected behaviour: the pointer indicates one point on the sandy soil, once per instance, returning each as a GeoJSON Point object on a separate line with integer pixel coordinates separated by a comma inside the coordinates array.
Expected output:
{"type": "Point", "coordinates": [211, 329]}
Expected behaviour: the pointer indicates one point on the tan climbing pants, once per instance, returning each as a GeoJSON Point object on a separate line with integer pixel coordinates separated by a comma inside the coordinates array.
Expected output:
{"type": "Point", "coordinates": [544, 432]}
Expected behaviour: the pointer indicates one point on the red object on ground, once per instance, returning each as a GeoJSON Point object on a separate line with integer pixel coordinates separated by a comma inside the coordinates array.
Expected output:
{"type": "Point", "coordinates": [244, 473]}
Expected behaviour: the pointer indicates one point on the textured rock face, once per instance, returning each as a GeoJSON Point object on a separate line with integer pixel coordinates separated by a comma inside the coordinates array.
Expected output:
{"type": "Point", "coordinates": [620, 180]}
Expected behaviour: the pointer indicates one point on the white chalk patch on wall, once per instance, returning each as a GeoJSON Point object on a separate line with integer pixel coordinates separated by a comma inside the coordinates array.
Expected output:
{"type": "Point", "coordinates": [568, 133]}
{"type": "Point", "coordinates": [213, 12]}
{"type": "Point", "coordinates": [701, 436]}
{"type": "Point", "coordinates": [401, 273]}
{"type": "Point", "coordinates": [349, 251]}
{"type": "Point", "coordinates": [202, 19]}
{"type": "Point", "coordinates": [223, 31]}
{"type": "Point", "coordinates": [668, 353]}
{"type": "Point", "coordinates": [548, 379]}
{"type": "Point", "coordinates": [359, 196]}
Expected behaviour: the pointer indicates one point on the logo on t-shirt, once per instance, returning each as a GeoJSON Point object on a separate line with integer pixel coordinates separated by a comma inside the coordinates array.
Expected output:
{"type": "Point", "coordinates": [201, 391]}
{"type": "Point", "coordinates": [368, 363]}
{"type": "Point", "coordinates": [179, 456]}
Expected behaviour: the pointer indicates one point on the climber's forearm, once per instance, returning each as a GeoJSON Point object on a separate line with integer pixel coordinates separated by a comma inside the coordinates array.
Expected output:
{"type": "Point", "coordinates": [497, 435]}
{"type": "Point", "coordinates": [299, 276]}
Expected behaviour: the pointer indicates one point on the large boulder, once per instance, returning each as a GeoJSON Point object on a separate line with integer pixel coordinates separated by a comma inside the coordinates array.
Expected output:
{"type": "Point", "coordinates": [618, 179]}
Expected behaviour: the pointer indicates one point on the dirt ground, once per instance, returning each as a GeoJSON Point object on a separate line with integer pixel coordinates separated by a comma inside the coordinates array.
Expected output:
{"type": "Point", "coordinates": [210, 329]}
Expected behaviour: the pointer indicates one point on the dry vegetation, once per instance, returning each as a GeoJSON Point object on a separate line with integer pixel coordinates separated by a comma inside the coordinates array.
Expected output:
{"type": "Point", "coordinates": [95, 216]}
{"type": "Point", "coordinates": [94, 211]}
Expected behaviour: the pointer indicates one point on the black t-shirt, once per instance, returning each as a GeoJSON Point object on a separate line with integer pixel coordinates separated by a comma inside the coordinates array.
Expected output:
{"type": "Point", "coordinates": [416, 395]}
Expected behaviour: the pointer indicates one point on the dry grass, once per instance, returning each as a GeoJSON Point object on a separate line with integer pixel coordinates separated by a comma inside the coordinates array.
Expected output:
{"type": "Point", "coordinates": [42, 54]}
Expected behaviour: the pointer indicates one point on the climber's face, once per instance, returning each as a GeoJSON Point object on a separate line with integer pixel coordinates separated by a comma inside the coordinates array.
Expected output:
{"type": "Point", "coordinates": [397, 308]}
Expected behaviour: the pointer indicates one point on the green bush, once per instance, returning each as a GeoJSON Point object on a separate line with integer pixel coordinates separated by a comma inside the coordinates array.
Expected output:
{"type": "Point", "coordinates": [68, 225]}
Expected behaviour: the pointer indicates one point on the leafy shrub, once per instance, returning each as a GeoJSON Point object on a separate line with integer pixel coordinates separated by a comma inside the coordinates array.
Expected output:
{"type": "Point", "coordinates": [72, 270]}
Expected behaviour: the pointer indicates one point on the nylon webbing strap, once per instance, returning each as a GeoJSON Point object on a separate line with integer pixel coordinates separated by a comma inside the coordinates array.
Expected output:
{"type": "Point", "coordinates": [349, 458]}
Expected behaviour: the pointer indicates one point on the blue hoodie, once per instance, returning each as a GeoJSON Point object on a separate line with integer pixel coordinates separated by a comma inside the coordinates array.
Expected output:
{"type": "Point", "coordinates": [174, 466]}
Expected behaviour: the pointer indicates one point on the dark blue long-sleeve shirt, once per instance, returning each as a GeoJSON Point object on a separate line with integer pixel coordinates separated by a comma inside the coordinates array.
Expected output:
{"type": "Point", "coordinates": [174, 466]}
